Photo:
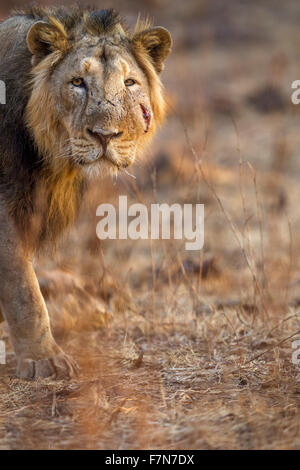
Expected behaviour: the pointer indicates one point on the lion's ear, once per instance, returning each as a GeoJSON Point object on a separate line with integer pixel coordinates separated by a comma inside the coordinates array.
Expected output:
{"type": "Point", "coordinates": [44, 38]}
{"type": "Point", "coordinates": [157, 42]}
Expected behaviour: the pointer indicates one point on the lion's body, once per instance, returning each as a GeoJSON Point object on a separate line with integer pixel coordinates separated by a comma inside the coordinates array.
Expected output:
{"type": "Point", "coordinates": [17, 155]}
{"type": "Point", "coordinates": [22, 170]}
{"type": "Point", "coordinates": [67, 114]}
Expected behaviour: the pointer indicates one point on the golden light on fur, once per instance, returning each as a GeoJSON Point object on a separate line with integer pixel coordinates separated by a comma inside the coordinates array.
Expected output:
{"type": "Point", "coordinates": [69, 116]}
{"type": "Point", "coordinates": [142, 24]}
{"type": "Point", "coordinates": [56, 126]}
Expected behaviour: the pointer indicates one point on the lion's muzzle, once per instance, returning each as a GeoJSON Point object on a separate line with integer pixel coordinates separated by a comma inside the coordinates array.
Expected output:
{"type": "Point", "coordinates": [103, 136]}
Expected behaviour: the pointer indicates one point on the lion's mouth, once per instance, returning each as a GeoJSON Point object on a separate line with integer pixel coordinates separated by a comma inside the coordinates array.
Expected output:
{"type": "Point", "coordinates": [116, 163]}
{"type": "Point", "coordinates": [107, 158]}
{"type": "Point", "coordinates": [105, 152]}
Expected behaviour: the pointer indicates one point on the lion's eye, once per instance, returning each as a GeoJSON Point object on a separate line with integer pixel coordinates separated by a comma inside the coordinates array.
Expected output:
{"type": "Point", "coordinates": [78, 82]}
{"type": "Point", "coordinates": [129, 82]}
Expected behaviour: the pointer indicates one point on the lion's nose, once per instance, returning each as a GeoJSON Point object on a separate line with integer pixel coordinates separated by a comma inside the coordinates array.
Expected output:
{"type": "Point", "coordinates": [104, 135]}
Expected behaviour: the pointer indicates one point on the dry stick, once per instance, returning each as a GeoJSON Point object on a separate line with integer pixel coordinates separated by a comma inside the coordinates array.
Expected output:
{"type": "Point", "coordinates": [258, 207]}
{"type": "Point", "coordinates": [154, 184]}
{"type": "Point", "coordinates": [228, 218]}
{"type": "Point", "coordinates": [173, 304]}
{"type": "Point", "coordinates": [247, 219]}
{"type": "Point", "coordinates": [242, 193]}
{"type": "Point", "coordinates": [290, 261]}
{"type": "Point", "coordinates": [270, 348]}
{"type": "Point", "coordinates": [134, 187]}
{"type": "Point", "coordinates": [104, 274]}
{"type": "Point", "coordinates": [229, 322]}
{"type": "Point", "coordinates": [242, 320]}
{"type": "Point", "coordinates": [259, 214]}
{"type": "Point", "coordinates": [190, 286]}
{"type": "Point", "coordinates": [141, 199]}
{"type": "Point", "coordinates": [201, 257]}
{"type": "Point", "coordinates": [295, 315]}
{"type": "Point", "coordinates": [259, 217]}
{"type": "Point", "coordinates": [117, 286]}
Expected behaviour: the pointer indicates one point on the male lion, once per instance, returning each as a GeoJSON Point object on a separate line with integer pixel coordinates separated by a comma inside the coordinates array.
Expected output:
{"type": "Point", "coordinates": [83, 95]}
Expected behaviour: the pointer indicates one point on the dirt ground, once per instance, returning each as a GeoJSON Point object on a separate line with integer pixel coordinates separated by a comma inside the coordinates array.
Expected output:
{"type": "Point", "coordinates": [186, 349]}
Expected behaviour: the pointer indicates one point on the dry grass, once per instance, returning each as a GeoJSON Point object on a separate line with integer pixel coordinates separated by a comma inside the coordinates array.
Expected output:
{"type": "Point", "coordinates": [185, 349]}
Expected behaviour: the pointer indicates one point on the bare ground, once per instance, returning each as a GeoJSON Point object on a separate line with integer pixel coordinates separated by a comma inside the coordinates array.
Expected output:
{"type": "Point", "coordinates": [179, 349]}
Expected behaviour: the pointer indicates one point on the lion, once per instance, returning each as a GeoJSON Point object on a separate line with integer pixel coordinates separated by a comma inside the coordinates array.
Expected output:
{"type": "Point", "coordinates": [83, 98]}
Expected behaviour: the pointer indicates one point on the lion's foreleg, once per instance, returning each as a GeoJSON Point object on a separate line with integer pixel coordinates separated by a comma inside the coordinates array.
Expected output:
{"type": "Point", "coordinates": [24, 309]}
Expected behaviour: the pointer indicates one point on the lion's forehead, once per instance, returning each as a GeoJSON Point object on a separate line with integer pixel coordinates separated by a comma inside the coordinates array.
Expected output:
{"type": "Point", "coordinates": [104, 55]}
{"type": "Point", "coordinates": [90, 65]}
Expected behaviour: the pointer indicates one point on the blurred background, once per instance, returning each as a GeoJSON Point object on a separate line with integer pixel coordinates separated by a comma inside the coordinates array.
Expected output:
{"type": "Point", "coordinates": [167, 338]}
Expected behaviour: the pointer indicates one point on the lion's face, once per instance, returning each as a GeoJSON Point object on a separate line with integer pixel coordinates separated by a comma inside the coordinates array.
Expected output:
{"type": "Point", "coordinates": [96, 101]}
{"type": "Point", "coordinates": [103, 104]}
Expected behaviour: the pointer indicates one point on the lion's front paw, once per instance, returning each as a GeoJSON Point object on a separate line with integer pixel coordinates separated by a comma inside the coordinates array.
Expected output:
{"type": "Point", "coordinates": [57, 367]}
